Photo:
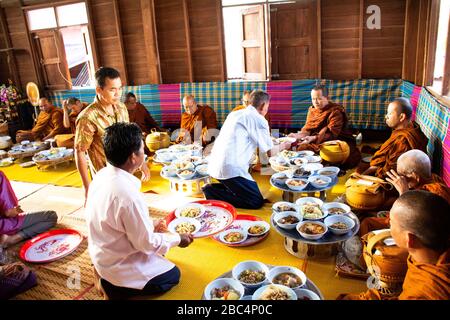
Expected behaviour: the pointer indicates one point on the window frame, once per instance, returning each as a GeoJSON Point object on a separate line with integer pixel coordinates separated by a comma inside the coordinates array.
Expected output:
{"type": "Point", "coordinates": [89, 26]}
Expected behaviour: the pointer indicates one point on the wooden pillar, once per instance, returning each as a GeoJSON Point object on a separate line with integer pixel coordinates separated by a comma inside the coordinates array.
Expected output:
{"type": "Point", "coordinates": [187, 30]}
{"type": "Point", "coordinates": [124, 73]}
{"type": "Point", "coordinates": [13, 72]}
{"type": "Point", "coordinates": [151, 42]}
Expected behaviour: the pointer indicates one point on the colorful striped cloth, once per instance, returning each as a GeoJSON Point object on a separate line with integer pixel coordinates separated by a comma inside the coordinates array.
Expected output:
{"type": "Point", "coordinates": [412, 92]}
{"type": "Point", "coordinates": [434, 118]}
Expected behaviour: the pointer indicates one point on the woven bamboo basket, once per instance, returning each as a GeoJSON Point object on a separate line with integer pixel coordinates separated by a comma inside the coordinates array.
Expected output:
{"type": "Point", "coordinates": [387, 268]}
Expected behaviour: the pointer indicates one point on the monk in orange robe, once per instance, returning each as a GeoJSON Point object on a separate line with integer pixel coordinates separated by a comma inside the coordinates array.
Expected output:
{"type": "Point", "coordinates": [140, 115]}
{"type": "Point", "coordinates": [49, 123]}
{"type": "Point", "coordinates": [420, 223]}
{"type": "Point", "coordinates": [246, 103]}
{"type": "Point", "coordinates": [413, 173]}
{"type": "Point", "coordinates": [197, 122]}
{"type": "Point", "coordinates": [406, 135]}
{"type": "Point", "coordinates": [326, 121]}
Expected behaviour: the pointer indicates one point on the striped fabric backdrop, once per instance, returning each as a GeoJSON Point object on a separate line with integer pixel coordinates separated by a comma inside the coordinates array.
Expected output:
{"type": "Point", "coordinates": [221, 96]}
{"type": "Point", "coordinates": [434, 118]}
{"type": "Point", "coordinates": [412, 92]}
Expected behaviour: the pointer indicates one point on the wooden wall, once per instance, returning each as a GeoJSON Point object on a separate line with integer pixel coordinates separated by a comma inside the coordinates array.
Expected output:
{"type": "Point", "coordinates": [171, 41]}
{"type": "Point", "coordinates": [190, 40]}
{"type": "Point", "coordinates": [350, 50]}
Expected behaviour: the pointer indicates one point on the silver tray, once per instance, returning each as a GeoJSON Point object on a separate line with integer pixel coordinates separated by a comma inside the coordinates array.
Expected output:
{"type": "Point", "coordinates": [248, 292]}
{"type": "Point", "coordinates": [328, 238]}
{"type": "Point", "coordinates": [309, 187]}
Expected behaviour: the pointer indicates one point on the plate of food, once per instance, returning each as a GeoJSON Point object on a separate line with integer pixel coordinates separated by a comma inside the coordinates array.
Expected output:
{"type": "Point", "coordinates": [217, 217]}
{"type": "Point", "coordinates": [184, 226]}
{"type": "Point", "coordinates": [284, 139]}
{"type": "Point", "coordinates": [280, 180]}
{"type": "Point", "coordinates": [50, 246]}
{"type": "Point", "coordinates": [190, 210]}
{"type": "Point", "coordinates": [6, 162]}
{"type": "Point", "coordinates": [257, 230]}
{"type": "Point", "coordinates": [233, 236]}
{"type": "Point", "coordinates": [284, 206]}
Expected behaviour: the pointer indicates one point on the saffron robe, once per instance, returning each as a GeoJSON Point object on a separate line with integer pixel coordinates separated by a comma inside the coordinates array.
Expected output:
{"type": "Point", "coordinates": [207, 118]}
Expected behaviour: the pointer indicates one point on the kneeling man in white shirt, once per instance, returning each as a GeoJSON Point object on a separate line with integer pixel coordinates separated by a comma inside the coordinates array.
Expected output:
{"type": "Point", "coordinates": [127, 248]}
{"type": "Point", "coordinates": [242, 132]}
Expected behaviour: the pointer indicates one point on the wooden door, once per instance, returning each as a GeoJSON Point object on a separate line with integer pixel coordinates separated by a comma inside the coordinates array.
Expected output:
{"type": "Point", "coordinates": [51, 54]}
{"type": "Point", "coordinates": [295, 40]}
{"type": "Point", "coordinates": [253, 44]}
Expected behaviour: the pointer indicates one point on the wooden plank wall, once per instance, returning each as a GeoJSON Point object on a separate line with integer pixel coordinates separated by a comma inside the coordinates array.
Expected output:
{"type": "Point", "coordinates": [351, 51]}
{"type": "Point", "coordinates": [190, 40]}
{"type": "Point", "coordinates": [171, 41]}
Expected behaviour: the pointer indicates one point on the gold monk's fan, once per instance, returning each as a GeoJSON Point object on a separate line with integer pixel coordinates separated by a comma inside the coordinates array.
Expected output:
{"type": "Point", "coordinates": [33, 95]}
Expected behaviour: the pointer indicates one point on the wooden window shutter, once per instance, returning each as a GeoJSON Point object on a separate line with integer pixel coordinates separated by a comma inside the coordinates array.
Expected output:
{"type": "Point", "coordinates": [51, 54]}
{"type": "Point", "coordinates": [253, 43]}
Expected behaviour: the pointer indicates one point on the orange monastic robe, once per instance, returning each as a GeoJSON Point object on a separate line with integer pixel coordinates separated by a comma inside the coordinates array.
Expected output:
{"type": "Point", "coordinates": [400, 141]}
{"type": "Point", "coordinates": [422, 282]}
{"type": "Point", "coordinates": [205, 115]}
{"type": "Point", "coordinates": [436, 186]}
{"type": "Point", "coordinates": [330, 123]}
{"type": "Point", "coordinates": [47, 124]}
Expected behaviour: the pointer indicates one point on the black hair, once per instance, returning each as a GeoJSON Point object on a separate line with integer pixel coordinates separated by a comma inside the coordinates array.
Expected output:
{"type": "Point", "coordinates": [103, 73]}
{"type": "Point", "coordinates": [121, 140]}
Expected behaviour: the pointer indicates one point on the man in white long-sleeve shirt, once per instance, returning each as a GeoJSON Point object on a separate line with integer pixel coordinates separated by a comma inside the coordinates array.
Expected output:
{"type": "Point", "coordinates": [124, 244]}
{"type": "Point", "coordinates": [242, 132]}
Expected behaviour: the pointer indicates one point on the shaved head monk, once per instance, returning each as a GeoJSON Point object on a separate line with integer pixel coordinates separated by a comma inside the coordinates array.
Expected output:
{"type": "Point", "coordinates": [406, 135]}
{"type": "Point", "coordinates": [413, 173]}
{"type": "Point", "coordinates": [195, 122]}
{"type": "Point", "coordinates": [49, 123]}
{"type": "Point", "coordinates": [420, 223]}
{"type": "Point", "coordinates": [326, 121]}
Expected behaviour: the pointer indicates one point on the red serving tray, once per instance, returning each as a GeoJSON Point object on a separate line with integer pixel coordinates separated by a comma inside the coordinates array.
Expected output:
{"type": "Point", "coordinates": [213, 203]}
{"type": "Point", "coordinates": [61, 251]}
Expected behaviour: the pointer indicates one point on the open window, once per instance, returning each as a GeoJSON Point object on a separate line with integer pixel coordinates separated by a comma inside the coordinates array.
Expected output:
{"type": "Point", "coordinates": [63, 47]}
{"type": "Point", "coordinates": [441, 75]}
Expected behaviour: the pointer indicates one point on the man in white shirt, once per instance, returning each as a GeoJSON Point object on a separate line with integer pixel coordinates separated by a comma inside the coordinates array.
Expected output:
{"type": "Point", "coordinates": [126, 247]}
{"type": "Point", "coordinates": [242, 132]}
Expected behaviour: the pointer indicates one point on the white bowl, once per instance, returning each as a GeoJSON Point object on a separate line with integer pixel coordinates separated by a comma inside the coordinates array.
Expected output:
{"type": "Point", "coordinates": [165, 156]}
{"type": "Point", "coordinates": [339, 218]}
{"type": "Point", "coordinates": [289, 226]}
{"type": "Point", "coordinates": [169, 171]}
{"type": "Point", "coordinates": [311, 236]}
{"type": "Point", "coordinates": [222, 282]}
{"type": "Point", "coordinates": [276, 205]}
{"type": "Point", "coordinates": [305, 153]}
{"type": "Point", "coordinates": [258, 293]}
{"type": "Point", "coordinates": [312, 167]}
{"type": "Point", "coordinates": [297, 188]}
{"type": "Point", "coordinates": [186, 176]}
{"type": "Point", "coordinates": [285, 139]}
{"type": "Point", "coordinates": [313, 159]}
{"type": "Point", "coordinates": [182, 155]}
{"type": "Point", "coordinates": [329, 205]}
{"type": "Point", "coordinates": [202, 169]}
{"type": "Point", "coordinates": [297, 162]}
{"type": "Point", "coordinates": [335, 171]}
{"type": "Point", "coordinates": [175, 222]}
{"type": "Point", "coordinates": [183, 164]}
{"type": "Point", "coordinates": [305, 294]}
{"type": "Point", "coordinates": [263, 224]}
{"type": "Point", "coordinates": [179, 210]}
{"type": "Point", "coordinates": [25, 142]}
{"type": "Point", "coordinates": [306, 200]}
{"type": "Point", "coordinates": [224, 234]}
{"type": "Point", "coordinates": [275, 271]}
{"type": "Point", "coordinates": [288, 154]}
{"type": "Point", "coordinates": [253, 266]}
{"type": "Point", "coordinates": [314, 181]}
